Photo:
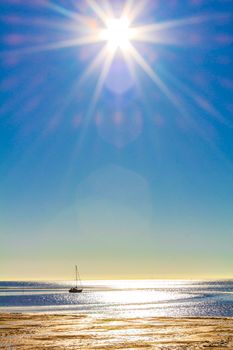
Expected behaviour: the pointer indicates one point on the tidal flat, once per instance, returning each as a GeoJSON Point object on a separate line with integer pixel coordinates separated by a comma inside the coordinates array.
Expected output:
{"type": "Point", "coordinates": [49, 331]}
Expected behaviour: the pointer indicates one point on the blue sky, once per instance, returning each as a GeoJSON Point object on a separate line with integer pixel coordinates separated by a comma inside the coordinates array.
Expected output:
{"type": "Point", "coordinates": [135, 185]}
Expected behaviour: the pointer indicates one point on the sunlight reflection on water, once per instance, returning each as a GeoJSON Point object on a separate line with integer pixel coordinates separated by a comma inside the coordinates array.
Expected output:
{"type": "Point", "coordinates": [117, 298]}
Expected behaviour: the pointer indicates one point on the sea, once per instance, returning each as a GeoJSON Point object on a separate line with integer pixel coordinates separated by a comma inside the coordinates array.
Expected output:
{"type": "Point", "coordinates": [125, 298]}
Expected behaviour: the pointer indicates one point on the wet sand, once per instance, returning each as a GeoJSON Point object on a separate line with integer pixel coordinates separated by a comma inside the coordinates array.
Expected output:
{"type": "Point", "coordinates": [37, 331]}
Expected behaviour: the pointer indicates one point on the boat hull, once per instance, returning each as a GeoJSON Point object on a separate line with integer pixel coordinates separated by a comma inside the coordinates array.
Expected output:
{"type": "Point", "coordinates": [75, 290]}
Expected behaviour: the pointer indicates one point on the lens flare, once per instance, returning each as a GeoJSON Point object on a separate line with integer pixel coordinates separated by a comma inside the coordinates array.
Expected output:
{"type": "Point", "coordinates": [116, 42]}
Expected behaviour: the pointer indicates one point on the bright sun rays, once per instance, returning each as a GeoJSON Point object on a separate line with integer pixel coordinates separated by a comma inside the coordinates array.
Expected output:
{"type": "Point", "coordinates": [124, 31]}
{"type": "Point", "coordinates": [117, 34]}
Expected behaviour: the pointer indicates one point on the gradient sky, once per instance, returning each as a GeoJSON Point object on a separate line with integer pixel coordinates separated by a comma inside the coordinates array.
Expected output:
{"type": "Point", "coordinates": [140, 187]}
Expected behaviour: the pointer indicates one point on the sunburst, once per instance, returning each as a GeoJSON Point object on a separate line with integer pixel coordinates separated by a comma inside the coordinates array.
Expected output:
{"type": "Point", "coordinates": [116, 33]}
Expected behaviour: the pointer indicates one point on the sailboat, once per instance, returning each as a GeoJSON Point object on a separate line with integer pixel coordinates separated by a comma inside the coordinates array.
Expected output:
{"type": "Point", "coordinates": [76, 289]}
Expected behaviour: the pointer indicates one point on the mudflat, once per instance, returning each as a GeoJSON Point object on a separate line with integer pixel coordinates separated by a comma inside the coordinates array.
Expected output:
{"type": "Point", "coordinates": [46, 331]}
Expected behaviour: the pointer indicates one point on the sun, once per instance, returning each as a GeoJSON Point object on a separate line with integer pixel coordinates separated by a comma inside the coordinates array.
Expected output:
{"type": "Point", "coordinates": [117, 33]}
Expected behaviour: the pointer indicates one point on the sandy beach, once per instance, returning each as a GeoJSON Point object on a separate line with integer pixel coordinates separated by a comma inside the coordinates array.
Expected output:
{"type": "Point", "coordinates": [43, 331]}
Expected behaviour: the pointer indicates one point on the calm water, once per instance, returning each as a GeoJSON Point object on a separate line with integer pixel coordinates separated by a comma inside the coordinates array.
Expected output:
{"type": "Point", "coordinates": [121, 298]}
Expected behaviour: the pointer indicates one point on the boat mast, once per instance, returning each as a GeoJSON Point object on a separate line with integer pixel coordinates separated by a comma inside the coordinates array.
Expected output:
{"type": "Point", "coordinates": [76, 275]}
{"type": "Point", "coordinates": [80, 282]}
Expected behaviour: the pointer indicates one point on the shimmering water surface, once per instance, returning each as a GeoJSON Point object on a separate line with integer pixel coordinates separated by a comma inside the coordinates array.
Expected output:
{"type": "Point", "coordinates": [121, 298]}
